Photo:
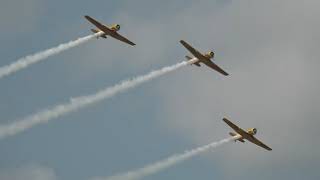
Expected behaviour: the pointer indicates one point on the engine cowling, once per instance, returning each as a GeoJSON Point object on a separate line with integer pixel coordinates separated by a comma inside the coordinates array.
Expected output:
{"type": "Point", "coordinates": [115, 27]}
{"type": "Point", "coordinates": [252, 131]}
{"type": "Point", "coordinates": [210, 54]}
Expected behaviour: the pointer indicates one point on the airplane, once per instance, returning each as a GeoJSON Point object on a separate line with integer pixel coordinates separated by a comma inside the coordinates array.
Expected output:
{"type": "Point", "coordinates": [111, 31]}
{"type": "Point", "coordinates": [241, 135]}
{"type": "Point", "coordinates": [202, 58]}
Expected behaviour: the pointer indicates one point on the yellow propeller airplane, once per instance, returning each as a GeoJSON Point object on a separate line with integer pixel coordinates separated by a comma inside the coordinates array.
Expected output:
{"type": "Point", "coordinates": [108, 31]}
{"type": "Point", "coordinates": [241, 134]}
{"type": "Point", "coordinates": [202, 58]}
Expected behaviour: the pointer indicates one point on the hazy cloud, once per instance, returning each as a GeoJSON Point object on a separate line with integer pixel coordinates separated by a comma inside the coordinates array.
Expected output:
{"type": "Point", "coordinates": [29, 172]}
{"type": "Point", "coordinates": [19, 16]}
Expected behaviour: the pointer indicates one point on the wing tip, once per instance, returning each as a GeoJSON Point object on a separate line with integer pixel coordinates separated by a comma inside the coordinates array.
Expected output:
{"type": "Point", "coordinates": [131, 43]}
{"type": "Point", "coordinates": [226, 120]}
{"type": "Point", "coordinates": [184, 43]}
{"type": "Point", "coordinates": [88, 18]}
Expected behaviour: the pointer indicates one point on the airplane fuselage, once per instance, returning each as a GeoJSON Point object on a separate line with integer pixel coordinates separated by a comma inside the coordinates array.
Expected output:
{"type": "Point", "coordinates": [196, 61]}
{"type": "Point", "coordinates": [209, 56]}
{"type": "Point", "coordinates": [115, 28]}
{"type": "Point", "coordinates": [103, 35]}
{"type": "Point", "coordinates": [239, 137]}
{"type": "Point", "coordinates": [193, 61]}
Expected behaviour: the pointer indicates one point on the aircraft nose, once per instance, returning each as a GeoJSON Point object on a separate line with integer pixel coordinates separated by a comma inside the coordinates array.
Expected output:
{"type": "Point", "coordinates": [211, 53]}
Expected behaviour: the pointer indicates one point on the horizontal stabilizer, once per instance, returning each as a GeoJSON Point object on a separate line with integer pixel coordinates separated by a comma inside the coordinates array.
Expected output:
{"type": "Point", "coordinates": [196, 63]}
{"type": "Point", "coordinates": [94, 30]}
{"type": "Point", "coordinates": [188, 57]}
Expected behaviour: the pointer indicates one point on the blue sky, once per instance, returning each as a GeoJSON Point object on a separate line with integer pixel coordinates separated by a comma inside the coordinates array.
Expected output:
{"type": "Point", "coordinates": [268, 47]}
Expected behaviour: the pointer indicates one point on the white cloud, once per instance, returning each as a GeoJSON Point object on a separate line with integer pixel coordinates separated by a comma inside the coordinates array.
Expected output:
{"type": "Point", "coordinates": [29, 172]}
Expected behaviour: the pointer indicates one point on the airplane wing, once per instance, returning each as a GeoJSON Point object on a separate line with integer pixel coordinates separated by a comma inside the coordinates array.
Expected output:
{"type": "Point", "coordinates": [193, 51]}
{"type": "Point", "coordinates": [99, 25]}
{"type": "Point", "coordinates": [108, 31]}
{"type": "Point", "coordinates": [259, 143]}
{"type": "Point", "coordinates": [215, 67]}
{"type": "Point", "coordinates": [235, 127]}
{"type": "Point", "coordinates": [202, 58]}
{"type": "Point", "coordinates": [121, 38]}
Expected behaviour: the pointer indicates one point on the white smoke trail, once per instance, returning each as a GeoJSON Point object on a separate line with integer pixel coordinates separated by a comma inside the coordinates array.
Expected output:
{"type": "Point", "coordinates": [82, 101]}
{"type": "Point", "coordinates": [166, 163]}
{"type": "Point", "coordinates": [32, 59]}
